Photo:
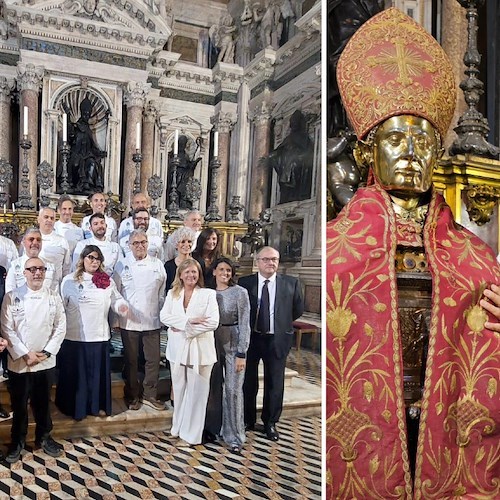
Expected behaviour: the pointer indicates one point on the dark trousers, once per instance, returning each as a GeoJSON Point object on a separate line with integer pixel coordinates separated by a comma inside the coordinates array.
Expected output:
{"type": "Point", "coordinates": [262, 347]}
{"type": "Point", "coordinates": [150, 341]}
{"type": "Point", "coordinates": [35, 387]}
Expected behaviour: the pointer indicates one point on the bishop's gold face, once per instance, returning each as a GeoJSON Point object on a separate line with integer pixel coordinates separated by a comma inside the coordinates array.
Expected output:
{"type": "Point", "coordinates": [405, 152]}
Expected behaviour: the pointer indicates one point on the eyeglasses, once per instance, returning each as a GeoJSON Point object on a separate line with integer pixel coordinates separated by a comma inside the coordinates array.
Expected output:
{"type": "Point", "coordinates": [92, 258]}
{"type": "Point", "coordinates": [266, 260]}
{"type": "Point", "coordinates": [34, 269]}
{"type": "Point", "coordinates": [142, 243]}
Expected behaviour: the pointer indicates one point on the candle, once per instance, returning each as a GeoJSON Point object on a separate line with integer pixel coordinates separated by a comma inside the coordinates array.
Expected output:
{"type": "Point", "coordinates": [25, 121]}
{"type": "Point", "coordinates": [13, 208]}
{"type": "Point", "coordinates": [138, 136]}
{"type": "Point", "coordinates": [176, 142]}
{"type": "Point", "coordinates": [216, 143]}
{"type": "Point", "coordinates": [65, 127]}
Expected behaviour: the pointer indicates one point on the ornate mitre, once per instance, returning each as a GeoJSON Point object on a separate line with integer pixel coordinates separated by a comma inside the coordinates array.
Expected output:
{"type": "Point", "coordinates": [392, 66]}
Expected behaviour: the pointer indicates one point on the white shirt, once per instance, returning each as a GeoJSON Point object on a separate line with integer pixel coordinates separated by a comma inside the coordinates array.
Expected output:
{"type": "Point", "coordinates": [32, 321]}
{"type": "Point", "coordinates": [142, 285]}
{"type": "Point", "coordinates": [55, 249]}
{"type": "Point", "coordinates": [127, 226]}
{"type": "Point", "coordinates": [111, 230]}
{"type": "Point", "coordinates": [271, 287]}
{"type": "Point", "coordinates": [8, 252]}
{"type": "Point", "coordinates": [71, 232]}
{"type": "Point", "coordinates": [87, 308]}
{"type": "Point", "coordinates": [155, 246]}
{"type": "Point", "coordinates": [15, 275]}
{"type": "Point", "coordinates": [111, 252]}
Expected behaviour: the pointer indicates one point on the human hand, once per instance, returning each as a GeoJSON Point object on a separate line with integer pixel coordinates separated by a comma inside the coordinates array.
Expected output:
{"type": "Point", "coordinates": [198, 321]}
{"type": "Point", "coordinates": [41, 356]}
{"type": "Point", "coordinates": [31, 358]}
{"type": "Point", "coordinates": [3, 344]}
{"type": "Point", "coordinates": [240, 364]}
{"type": "Point", "coordinates": [492, 305]}
{"type": "Point", "coordinates": [123, 309]}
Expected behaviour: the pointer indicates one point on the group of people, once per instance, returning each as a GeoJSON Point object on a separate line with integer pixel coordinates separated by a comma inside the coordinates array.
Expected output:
{"type": "Point", "coordinates": [72, 285]}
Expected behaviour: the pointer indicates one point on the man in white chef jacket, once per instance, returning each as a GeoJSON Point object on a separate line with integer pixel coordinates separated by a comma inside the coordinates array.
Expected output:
{"type": "Point", "coordinates": [65, 226]}
{"type": "Point", "coordinates": [141, 220]}
{"type": "Point", "coordinates": [140, 200]}
{"type": "Point", "coordinates": [32, 245]}
{"type": "Point", "coordinates": [140, 278]}
{"type": "Point", "coordinates": [110, 249]}
{"type": "Point", "coordinates": [34, 324]}
{"type": "Point", "coordinates": [55, 248]}
{"type": "Point", "coordinates": [97, 203]}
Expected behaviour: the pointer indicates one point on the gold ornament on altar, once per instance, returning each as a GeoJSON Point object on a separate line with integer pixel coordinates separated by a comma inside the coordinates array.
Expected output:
{"type": "Point", "coordinates": [392, 66]}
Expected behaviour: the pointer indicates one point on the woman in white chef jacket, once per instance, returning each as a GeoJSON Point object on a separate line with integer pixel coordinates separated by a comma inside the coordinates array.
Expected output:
{"type": "Point", "coordinates": [191, 314]}
{"type": "Point", "coordinates": [84, 384]}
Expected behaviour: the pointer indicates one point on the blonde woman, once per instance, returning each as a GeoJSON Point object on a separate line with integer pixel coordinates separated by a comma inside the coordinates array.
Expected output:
{"type": "Point", "coordinates": [182, 240]}
{"type": "Point", "coordinates": [191, 314]}
{"type": "Point", "coordinates": [84, 386]}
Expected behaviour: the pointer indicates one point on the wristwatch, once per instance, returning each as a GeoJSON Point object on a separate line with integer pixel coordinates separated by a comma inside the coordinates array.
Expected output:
{"type": "Point", "coordinates": [47, 353]}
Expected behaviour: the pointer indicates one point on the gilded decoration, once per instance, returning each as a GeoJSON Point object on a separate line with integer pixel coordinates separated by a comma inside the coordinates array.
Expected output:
{"type": "Point", "coordinates": [392, 66]}
{"type": "Point", "coordinates": [458, 446]}
{"type": "Point", "coordinates": [480, 201]}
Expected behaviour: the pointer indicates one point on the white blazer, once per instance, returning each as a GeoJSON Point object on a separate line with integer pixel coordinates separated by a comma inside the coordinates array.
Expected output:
{"type": "Point", "coordinates": [192, 345]}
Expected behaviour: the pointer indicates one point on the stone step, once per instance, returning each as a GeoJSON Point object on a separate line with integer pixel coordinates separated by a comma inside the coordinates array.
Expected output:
{"type": "Point", "coordinates": [301, 399]}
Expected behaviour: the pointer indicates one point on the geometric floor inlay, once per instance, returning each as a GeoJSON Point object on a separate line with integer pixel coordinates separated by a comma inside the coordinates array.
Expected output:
{"type": "Point", "coordinates": [149, 465]}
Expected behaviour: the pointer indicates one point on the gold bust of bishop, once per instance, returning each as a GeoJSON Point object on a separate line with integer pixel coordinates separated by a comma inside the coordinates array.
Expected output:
{"type": "Point", "coordinates": [413, 407]}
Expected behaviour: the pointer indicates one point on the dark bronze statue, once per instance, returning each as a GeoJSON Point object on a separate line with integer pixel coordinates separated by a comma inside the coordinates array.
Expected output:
{"type": "Point", "coordinates": [293, 161]}
{"type": "Point", "coordinates": [85, 171]}
{"type": "Point", "coordinates": [185, 172]}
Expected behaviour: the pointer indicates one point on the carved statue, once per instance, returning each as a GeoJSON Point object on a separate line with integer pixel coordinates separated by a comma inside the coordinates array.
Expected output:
{"type": "Point", "coordinates": [293, 161]}
{"type": "Point", "coordinates": [84, 165]}
{"type": "Point", "coordinates": [256, 236]}
{"type": "Point", "coordinates": [185, 171]}
{"type": "Point", "coordinates": [222, 38]}
{"type": "Point", "coordinates": [271, 26]}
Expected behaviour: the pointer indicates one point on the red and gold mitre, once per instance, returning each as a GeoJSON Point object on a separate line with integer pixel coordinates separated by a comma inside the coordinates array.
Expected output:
{"type": "Point", "coordinates": [392, 66]}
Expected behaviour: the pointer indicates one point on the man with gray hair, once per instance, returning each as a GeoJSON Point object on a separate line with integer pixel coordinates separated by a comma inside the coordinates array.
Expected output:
{"type": "Point", "coordinates": [32, 244]}
{"type": "Point", "coordinates": [192, 220]}
{"type": "Point", "coordinates": [140, 278]}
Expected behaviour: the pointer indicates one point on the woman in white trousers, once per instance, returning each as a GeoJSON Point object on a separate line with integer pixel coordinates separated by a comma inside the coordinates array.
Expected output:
{"type": "Point", "coordinates": [191, 314]}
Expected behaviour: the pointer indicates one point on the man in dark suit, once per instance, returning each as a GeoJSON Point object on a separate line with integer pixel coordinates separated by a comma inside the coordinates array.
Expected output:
{"type": "Point", "coordinates": [275, 302]}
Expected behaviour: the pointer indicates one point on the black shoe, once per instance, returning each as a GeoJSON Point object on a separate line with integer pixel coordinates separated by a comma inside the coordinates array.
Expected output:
{"type": "Point", "coordinates": [14, 452]}
{"type": "Point", "coordinates": [271, 432]}
{"type": "Point", "coordinates": [236, 449]}
{"type": "Point", "coordinates": [209, 437]}
{"type": "Point", "coordinates": [3, 412]}
{"type": "Point", "coordinates": [50, 447]}
{"type": "Point", "coordinates": [249, 427]}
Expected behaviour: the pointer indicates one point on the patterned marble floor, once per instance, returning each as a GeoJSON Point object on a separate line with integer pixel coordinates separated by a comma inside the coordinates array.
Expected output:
{"type": "Point", "coordinates": [150, 465]}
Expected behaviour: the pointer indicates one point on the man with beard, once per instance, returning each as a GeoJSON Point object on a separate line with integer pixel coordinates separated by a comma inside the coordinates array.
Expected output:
{"type": "Point", "coordinates": [140, 220]}
{"type": "Point", "coordinates": [140, 200]}
{"type": "Point", "coordinates": [110, 249]}
{"type": "Point", "coordinates": [97, 203]}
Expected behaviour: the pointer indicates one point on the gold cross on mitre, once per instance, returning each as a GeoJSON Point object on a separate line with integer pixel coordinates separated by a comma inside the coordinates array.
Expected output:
{"type": "Point", "coordinates": [403, 61]}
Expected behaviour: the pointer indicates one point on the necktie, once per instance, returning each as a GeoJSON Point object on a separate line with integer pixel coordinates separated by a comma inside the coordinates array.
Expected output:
{"type": "Point", "coordinates": [263, 319]}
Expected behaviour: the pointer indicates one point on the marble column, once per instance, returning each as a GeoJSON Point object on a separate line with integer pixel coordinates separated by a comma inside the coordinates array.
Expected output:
{"type": "Point", "coordinates": [135, 97]}
{"type": "Point", "coordinates": [260, 173]}
{"type": "Point", "coordinates": [29, 82]}
{"type": "Point", "coordinates": [6, 87]}
{"type": "Point", "coordinates": [148, 143]}
{"type": "Point", "coordinates": [223, 123]}
{"type": "Point", "coordinates": [454, 25]}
